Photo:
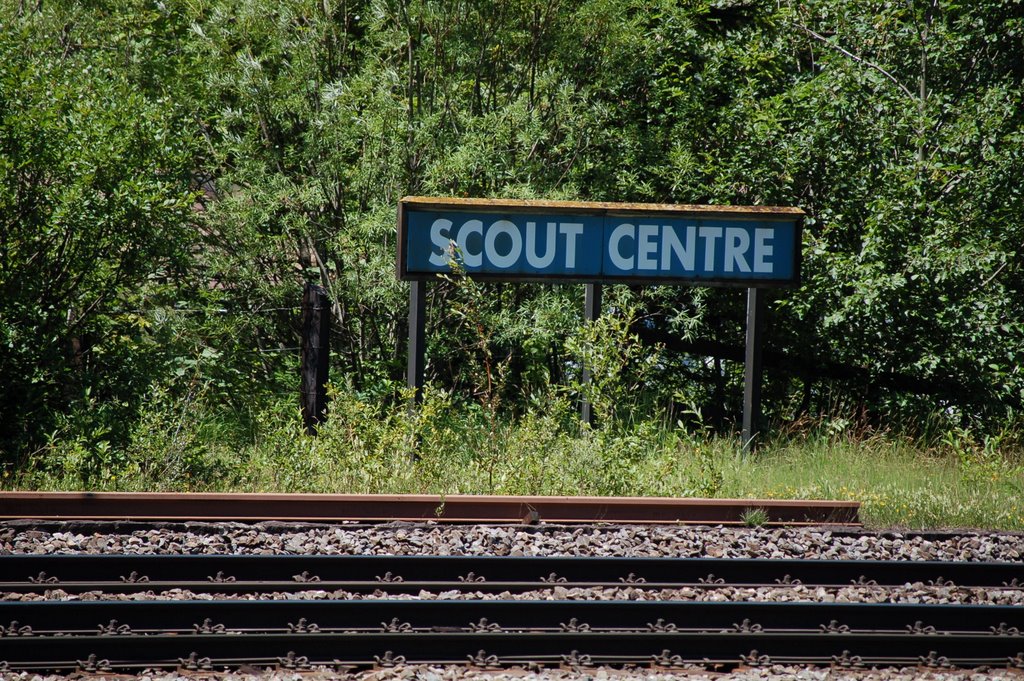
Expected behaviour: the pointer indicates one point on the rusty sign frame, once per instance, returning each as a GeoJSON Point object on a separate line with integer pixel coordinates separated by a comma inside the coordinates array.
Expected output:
{"type": "Point", "coordinates": [775, 216]}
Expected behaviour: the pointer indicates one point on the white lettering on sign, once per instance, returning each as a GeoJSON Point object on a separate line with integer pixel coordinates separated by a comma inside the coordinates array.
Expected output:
{"type": "Point", "coordinates": [737, 241]}
{"type": "Point", "coordinates": [572, 232]}
{"type": "Point", "coordinates": [462, 241]}
{"type": "Point", "coordinates": [503, 253]}
{"type": "Point", "coordinates": [631, 247]}
{"type": "Point", "coordinates": [646, 247]}
{"type": "Point", "coordinates": [709, 234]}
{"type": "Point", "coordinates": [614, 252]}
{"type": "Point", "coordinates": [762, 250]}
{"type": "Point", "coordinates": [659, 247]}
{"type": "Point", "coordinates": [670, 244]}
{"type": "Point", "coordinates": [532, 256]}
{"type": "Point", "coordinates": [652, 241]}
{"type": "Point", "coordinates": [491, 244]}
{"type": "Point", "coordinates": [439, 237]}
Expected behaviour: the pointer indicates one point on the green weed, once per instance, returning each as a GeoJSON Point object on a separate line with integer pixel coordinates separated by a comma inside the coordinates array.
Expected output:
{"type": "Point", "coordinates": [463, 447]}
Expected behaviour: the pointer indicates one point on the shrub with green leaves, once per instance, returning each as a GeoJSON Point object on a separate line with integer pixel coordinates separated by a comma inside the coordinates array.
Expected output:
{"type": "Point", "coordinates": [172, 173]}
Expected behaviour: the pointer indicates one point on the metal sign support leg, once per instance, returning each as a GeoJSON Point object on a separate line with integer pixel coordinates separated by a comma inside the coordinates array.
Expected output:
{"type": "Point", "coordinates": [752, 369]}
{"type": "Point", "coordinates": [417, 324]}
{"type": "Point", "coordinates": [591, 311]}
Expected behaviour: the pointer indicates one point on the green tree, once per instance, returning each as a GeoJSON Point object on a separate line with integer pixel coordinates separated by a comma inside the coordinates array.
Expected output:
{"type": "Point", "coordinates": [96, 178]}
{"type": "Point", "coordinates": [213, 156]}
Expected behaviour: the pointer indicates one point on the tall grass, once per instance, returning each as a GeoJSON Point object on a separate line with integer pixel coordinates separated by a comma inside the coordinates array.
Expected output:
{"type": "Point", "coordinates": [450, 447]}
{"type": "Point", "coordinates": [899, 482]}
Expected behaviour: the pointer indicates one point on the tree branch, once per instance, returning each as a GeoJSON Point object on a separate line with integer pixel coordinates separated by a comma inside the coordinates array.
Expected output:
{"type": "Point", "coordinates": [859, 60]}
{"type": "Point", "coordinates": [794, 365]}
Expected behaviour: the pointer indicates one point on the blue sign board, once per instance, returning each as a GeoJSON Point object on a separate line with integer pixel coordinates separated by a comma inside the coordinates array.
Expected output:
{"type": "Point", "coordinates": [518, 240]}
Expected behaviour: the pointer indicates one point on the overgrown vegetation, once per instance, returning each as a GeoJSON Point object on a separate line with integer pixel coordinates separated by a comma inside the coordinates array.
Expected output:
{"type": "Point", "coordinates": [368, 448]}
{"type": "Point", "coordinates": [172, 173]}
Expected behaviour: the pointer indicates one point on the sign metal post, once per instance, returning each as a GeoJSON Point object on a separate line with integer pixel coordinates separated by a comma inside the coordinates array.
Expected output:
{"type": "Point", "coordinates": [752, 369]}
{"type": "Point", "coordinates": [417, 339]}
{"type": "Point", "coordinates": [591, 313]}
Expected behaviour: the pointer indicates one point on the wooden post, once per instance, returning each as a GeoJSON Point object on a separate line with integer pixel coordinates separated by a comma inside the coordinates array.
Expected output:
{"type": "Point", "coordinates": [316, 348]}
{"type": "Point", "coordinates": [752, 370]}
{"type": "Point", "coordinates": [591, 312]}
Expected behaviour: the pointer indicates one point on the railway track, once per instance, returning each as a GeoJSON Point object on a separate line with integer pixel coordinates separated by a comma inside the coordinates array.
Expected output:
{"type": "Point", "coordinates": [213, 507]}
{"type": "Point", "coordinates": [99, 613]}
{"type": "Point", "coordinates": [251, 574]}
{"type": "Point", "coordinates": [103, 635]}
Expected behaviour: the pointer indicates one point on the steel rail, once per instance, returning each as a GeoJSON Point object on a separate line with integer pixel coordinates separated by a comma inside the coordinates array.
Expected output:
{"type": "Point", "coordinates": [77, 573]}
{"type": "Point", "coordinates": [380, 508]}
{"type": "Point", "coordinates": [495, 649]}
{"type": "Point", "coordinates": [116, 618]}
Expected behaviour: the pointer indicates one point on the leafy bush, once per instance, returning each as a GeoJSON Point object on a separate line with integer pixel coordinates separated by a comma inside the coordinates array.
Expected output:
{"type": "Point", "coordinates": [171, 174]}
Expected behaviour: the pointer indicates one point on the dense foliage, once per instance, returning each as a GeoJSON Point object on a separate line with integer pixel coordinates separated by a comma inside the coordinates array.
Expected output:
{"type": "Point", "coordinates": [172, 172]}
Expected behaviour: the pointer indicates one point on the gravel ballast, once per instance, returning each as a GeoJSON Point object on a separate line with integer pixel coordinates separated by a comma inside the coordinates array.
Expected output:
{"type": "Point", "coordinates": [432, 673]}
{"type": "Point", "coordinates": [25, 537]}
{"type": "Point", "coordinates": [483, 540]}
{"type": "Point", "coordinates": [911, 593]}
